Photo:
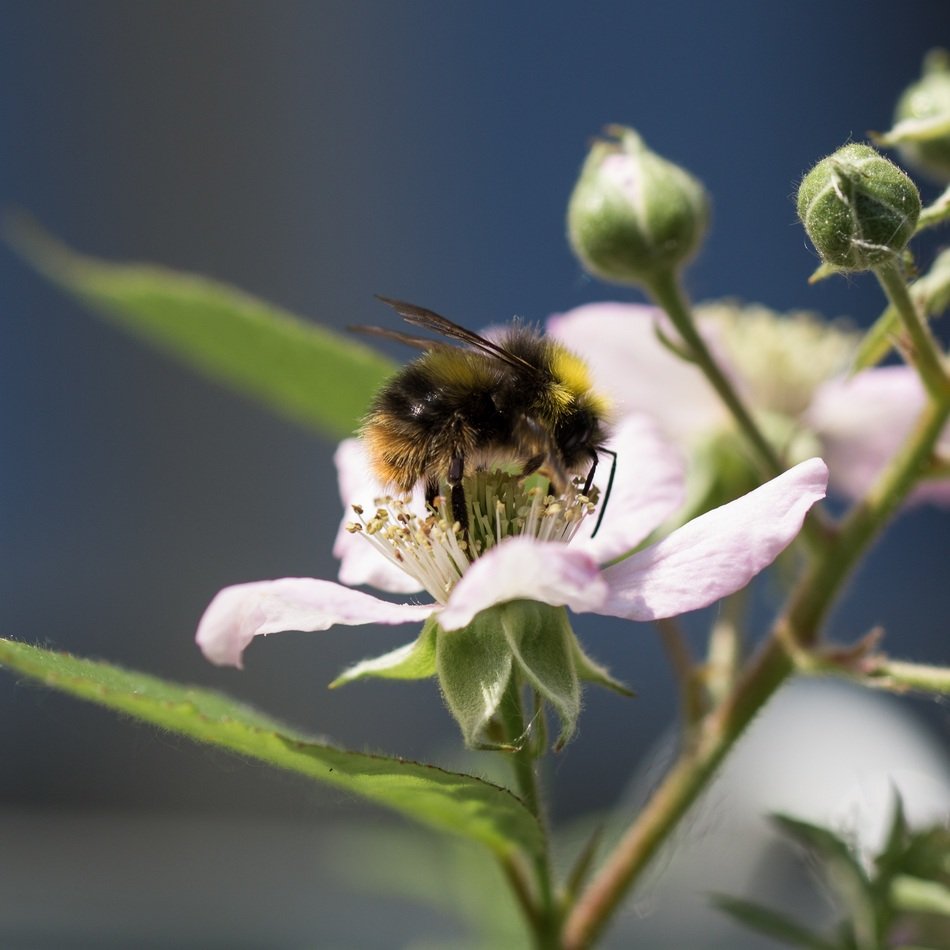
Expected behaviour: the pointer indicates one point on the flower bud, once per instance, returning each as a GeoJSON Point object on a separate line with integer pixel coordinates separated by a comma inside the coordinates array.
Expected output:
{"type": "Point", "coordinates": [922, 119]}
{"type": "Point", "coordinates": [858, 208]}
{"type": "Point", "coordinates": [632, 214]}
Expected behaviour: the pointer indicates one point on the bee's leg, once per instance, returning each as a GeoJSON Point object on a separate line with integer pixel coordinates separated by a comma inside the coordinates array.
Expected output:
{"type": "Point", "coordinates": [432, 492]}
{"type": "Point", "coordinates": [533, 464]}
{"type": "Point", "coordinates": [454, 478]}
{"type": "Point", "coordinates": [610, 484]}
{"type": "Point", "coordinates": [590, 475]}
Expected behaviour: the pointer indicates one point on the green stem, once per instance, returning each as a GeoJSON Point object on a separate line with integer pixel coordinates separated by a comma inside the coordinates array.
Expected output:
{"type": "Point", "coordinates": [520, 885]}
{"type": "Point", "coordinates": [923, 354]}
{"type": "Point", "coordinates": [668, 294]}
{"type": "Point", "coordinates": [692, 695]}
{"type": "Point", "coordinates": [935, 213]}
{"type": "Point", "coordinates": [544, 914]}
{"type": "Point", "coordinates": [799, 626]}
{"type": "Point", "coordinates": [666, 291]}
{"type": "Point", "coordinates": [724, 656]}
{"type": "Point", "coordinates": [900, 676]}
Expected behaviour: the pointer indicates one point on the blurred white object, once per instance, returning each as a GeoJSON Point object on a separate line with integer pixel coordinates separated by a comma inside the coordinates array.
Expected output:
{"type": "Point", "coordinates": [824, 751]}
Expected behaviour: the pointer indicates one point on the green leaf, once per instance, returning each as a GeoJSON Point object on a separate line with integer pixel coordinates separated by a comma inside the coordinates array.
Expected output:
{"type": "Point", "coordinates": [845, 875]}
{"type": "Point", "coordinates": [928, 854]}
{"type": "Point", "coordinates": [912, 894]}
{"type": "Point", "coordinates": [888, 862]}
{"type": "Point", "coordinates": [446, 801]}
{"type": "Point", "coordinates": [583, 863]}
{"type": "Point", "coordinates": [915, 129]}
{"type": "Point", "coordinates": [306, 372]}
{"type": "Point", "coordinates": [773, 923]}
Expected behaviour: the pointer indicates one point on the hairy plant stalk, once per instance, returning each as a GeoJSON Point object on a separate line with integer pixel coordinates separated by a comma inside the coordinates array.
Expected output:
{"type": "Point", "coordinates": [798, 625]}
{"type": "Point", "coordinates": [541, 909]}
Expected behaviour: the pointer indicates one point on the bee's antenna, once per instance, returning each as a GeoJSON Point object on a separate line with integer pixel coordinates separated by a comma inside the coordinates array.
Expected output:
{"type": "Point", "coordinates": [610, 484]}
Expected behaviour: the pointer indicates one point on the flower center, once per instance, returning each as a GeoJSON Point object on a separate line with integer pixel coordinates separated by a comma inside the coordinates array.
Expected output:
{"type": "Point", "coordinates": [782, 358]}
{"type": "Point", "coordinates": [434, 549]}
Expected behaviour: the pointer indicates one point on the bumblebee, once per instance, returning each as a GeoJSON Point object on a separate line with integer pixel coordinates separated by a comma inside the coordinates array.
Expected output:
{"type": "Point", "coordinates": [470, 403]}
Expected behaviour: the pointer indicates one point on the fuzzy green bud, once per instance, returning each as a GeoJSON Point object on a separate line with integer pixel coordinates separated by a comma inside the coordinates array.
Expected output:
{"type": "Point", "coordinates": [922, 119]}
{"type": "Point", "coordinates": [633, 215]}
{"type": "Point", "coordinates": [858, 208]}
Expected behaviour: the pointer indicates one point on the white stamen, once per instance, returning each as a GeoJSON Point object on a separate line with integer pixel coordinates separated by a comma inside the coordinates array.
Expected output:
{"type": "Point", "coordinates": [431, 547]}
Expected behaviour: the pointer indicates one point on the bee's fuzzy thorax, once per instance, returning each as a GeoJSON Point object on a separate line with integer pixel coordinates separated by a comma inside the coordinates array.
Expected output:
{"type": "Point", "coordinates": [514, 399]}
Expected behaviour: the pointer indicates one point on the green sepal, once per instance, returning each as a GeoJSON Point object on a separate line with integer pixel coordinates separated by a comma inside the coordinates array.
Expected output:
{"type": "Point", "coordinates": [921, 131]}
{"type": "Point", "coordinates": [936, 213]}
{"type": "Point", "coordinates": [447, 801]}
{"type": "Point", "coordinates": [413, 661]}
{"type": "Point", "coordinates": [474, 666]}
{"type": "Point", "coordinates": [304, 371]}
{"type": "Point", "coordinates": [530, 640]}
{"type": "Point", "coordinates": [542, 644]}
{"type": "Point", "coordinates": [590, 671]}
{"type": "Point", "coordinates": [823, 272]}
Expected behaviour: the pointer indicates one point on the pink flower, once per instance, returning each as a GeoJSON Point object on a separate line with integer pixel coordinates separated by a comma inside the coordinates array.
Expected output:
{"type": "Point", "coordinates": [789, 368]}
{"type": "Point", "coordinates": [555, 562]}
{"type": "Point", "coordinates": [862, 422]}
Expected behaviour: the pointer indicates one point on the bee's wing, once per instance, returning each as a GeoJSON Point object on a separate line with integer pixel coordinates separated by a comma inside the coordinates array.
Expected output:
{"type": "Point", "coordinates": [429, 320]}
{"type": "Point", "coordinates": [419, 342]}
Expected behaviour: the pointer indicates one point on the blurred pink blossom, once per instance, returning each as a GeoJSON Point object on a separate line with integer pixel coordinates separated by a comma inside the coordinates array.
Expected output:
{"type": "Point", "coordinates": [855, 424]}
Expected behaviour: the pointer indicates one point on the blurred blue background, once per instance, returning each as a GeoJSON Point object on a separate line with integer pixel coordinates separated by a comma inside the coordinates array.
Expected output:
{"type": "Point", "coordinates": [315, 154]}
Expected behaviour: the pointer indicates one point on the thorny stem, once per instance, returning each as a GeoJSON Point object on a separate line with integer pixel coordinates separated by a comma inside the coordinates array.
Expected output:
{"type": "Point", "coordinates": [541, 910]}
{"type": "Point", "coordinates": [718, 732]}
{"type": "Point", "coordinates": [692, 700]}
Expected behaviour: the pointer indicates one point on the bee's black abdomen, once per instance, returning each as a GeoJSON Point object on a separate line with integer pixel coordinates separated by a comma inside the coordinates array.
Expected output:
{"type": "Point", "coordinates": [516, 398]}
{"type": "Point", "coordinates": [411, 397]}
{"type": "Point", "coordinates": [440, 407]}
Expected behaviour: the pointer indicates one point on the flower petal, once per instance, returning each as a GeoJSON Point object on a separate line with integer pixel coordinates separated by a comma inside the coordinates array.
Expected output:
{"type": "Point", "coordinates": [360, 562]}
{"type": "Point", "coordinates": [717, 553]}
{"type": "Point", "coordinates": [632, 367]}
{"type": "Point", "coordinates": [525, 569]}
{"type": "Point", "coordinates": [863, 420]}
{"type": "Point", "coordinates": [648, 488]}
{"type": "Point", "coordinates": [240, 613]}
